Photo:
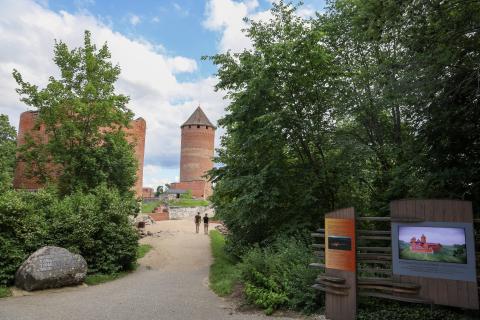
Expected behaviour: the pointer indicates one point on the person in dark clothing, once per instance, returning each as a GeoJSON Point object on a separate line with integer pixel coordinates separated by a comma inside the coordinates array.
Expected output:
{"type": "Point", "coordinates": [198, 219]}
{"type": "Point", "coordinates": [205, 224]}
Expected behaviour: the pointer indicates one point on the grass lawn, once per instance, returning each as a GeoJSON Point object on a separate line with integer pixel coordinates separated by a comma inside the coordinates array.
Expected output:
{"type": "Point", "coordinates": [224, 272]}
{"type": "Point", "coordinates": [148, 207]}
{"type": "Point", "coordinates": [188, 202]}
{"type": "Point", "coordinates": [143, 250]}
{"type": "Point", "coordinates": [445, 255]}
{"type": "Point", "coordinates": [5, 292]}
{"type": "Point", "coordinates": [98, 278]}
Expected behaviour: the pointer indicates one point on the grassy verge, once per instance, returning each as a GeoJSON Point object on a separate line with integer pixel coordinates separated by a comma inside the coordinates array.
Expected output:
{"type": "Point", "coordinates": [98, 278]}
{"type": "Point", "coordinates": [148, 207]}
{"type": "Point", "coordinates": [5, 292]}
{"type": "Point", "coordinates": [188, 202]}
{"type": "Point", "coordinates": [224, 272]}
{"type": "Point", "coordinates": [143, 250]}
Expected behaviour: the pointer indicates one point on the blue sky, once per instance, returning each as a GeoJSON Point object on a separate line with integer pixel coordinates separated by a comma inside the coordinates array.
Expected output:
{"type": "Point", "coordinates": [158, 45]}
{"type": "Point", "coordinates": [445, 236]}
{"type": "Point", "coordinates": [175, 25]}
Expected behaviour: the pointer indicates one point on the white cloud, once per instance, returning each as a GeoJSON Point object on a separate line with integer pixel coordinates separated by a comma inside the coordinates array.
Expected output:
{"type": "Point", "coordinates": [27, 33]}
{"type": "Point", "coordinates": [182, 64]}
{"type": "Point", "coordinates": [154, 176]}
{"type": "Point", "coordinates": [156, 19]}
{"type": "Point", "coordinates": [134, 20]}
{"type": "Point", "coordinates": [306, 12]}
{"type": "Point", "coordinates": [227, 18]}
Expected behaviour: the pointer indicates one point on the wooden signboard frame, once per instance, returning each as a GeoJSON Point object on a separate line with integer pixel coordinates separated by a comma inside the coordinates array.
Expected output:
{"type": "Point", "coordinates": [340, 279]}
{"type": "Point", "coordinates": [378, 251]}
{"type": "Point", "coordinates": [456, 293]}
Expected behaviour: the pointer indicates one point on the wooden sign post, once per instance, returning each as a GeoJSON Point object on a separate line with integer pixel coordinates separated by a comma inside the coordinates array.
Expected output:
{"type": "Point", "coordinates": [340, 280]}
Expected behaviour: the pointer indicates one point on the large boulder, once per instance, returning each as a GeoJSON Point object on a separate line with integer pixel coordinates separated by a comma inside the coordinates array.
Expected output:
{"type": "Point", "coordinates": [51, 267]}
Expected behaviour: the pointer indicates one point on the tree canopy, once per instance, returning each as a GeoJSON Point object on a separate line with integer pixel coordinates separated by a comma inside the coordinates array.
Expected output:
{"type": "Point", "coordinates": [8, 145]}
{"type": "Point", "coordinates": [370, 102]}
{"type": "Point", "coordinates": [83, 118]}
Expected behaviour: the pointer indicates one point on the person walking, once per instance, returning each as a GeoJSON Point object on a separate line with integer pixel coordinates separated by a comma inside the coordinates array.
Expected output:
{"type": "Point", "coordinates": [198, 219]}
{"type": "Point", "coordinates": [205, 224]}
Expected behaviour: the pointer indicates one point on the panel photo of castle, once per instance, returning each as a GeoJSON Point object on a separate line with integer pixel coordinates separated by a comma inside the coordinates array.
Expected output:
{"type": "Point", "coordinates": [432, 244]}
{"type": "Point", "coordinates": [339, 243]}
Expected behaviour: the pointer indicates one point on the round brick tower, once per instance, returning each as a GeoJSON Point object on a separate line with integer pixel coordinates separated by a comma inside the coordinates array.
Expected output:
{"type": "Point", "coordinates": [197, 147]}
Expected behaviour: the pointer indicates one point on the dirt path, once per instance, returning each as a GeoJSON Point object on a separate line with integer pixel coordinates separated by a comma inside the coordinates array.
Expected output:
{"type": "Point", "coordinates": [171, 283]}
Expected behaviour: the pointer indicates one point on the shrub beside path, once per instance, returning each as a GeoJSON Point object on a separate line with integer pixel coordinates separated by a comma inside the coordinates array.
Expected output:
{"type": "Point", "coordinates": [171, 283]}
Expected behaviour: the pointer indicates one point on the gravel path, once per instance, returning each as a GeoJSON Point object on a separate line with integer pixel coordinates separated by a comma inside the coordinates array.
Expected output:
{"type": "Point", "coordinates": [171, 283]}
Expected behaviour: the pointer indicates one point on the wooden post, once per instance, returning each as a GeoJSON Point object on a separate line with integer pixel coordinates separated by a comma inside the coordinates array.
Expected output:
{"type": "Point", "coordinates": [340, 265]}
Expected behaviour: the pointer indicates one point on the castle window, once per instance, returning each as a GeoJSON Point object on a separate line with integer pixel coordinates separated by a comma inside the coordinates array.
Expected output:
{"type": "Point", "coordinates": [198, 127]}
{"type": "Point", "coordinates": [206, 127]}
{"type": "Point", "coordinates": [189, 127]}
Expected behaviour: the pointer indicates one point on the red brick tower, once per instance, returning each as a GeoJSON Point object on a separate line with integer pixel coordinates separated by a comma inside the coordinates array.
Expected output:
{"type": "Point", "coordinates": [196, 158]}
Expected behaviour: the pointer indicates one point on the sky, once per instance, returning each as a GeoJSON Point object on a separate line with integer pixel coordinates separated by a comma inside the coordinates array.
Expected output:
{"type": "Point", "coordinates": [158, 45]}
{"type": "Point", "coordinates": [445, 236]}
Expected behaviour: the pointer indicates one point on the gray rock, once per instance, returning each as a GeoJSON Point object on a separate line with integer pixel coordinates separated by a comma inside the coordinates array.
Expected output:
{"type": "Point", "coordinates": [51, 267]}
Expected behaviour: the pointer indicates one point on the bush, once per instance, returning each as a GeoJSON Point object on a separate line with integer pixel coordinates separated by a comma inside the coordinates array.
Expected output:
{"type": "Point", "coordinates": [187, 195]}
{"type": "Point", "coordinates": [21, 232]}
{"type": "Point", "coordinates": [95, 225]}
{"type": "Point", "coordinates": [278, 275]}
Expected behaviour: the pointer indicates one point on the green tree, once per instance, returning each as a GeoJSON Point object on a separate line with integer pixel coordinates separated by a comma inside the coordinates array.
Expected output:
{"type": "Point", "coordinates": [8, 146]}
{"type": "Point", "coordinates": [281, 164]}
{"type": "Point", "coordinates": [83, 119]}
{"type": "Point", "coordinates": [159, 191]}
{"type": "Point", "coordinates": [420, 60]}
{"type": "Point", "coordinates": [443, 67]}
{"type": "Point", "coordinates": [370, 102]}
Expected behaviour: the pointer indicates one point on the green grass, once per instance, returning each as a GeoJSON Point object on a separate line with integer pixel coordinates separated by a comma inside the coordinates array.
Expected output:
{"type": "Point", "coordinates": [224, 272]}
{"type": "Point", "coordinates": [148, 207]}
{"type": "Point", "coordinates": [5, 292]}
{"type": "Point", "coordinates": [143, 250]}
{"type": "Point", "coordinates": [98, 278]}
{"type": "Point", "coordinates": [188, 202]}
{"type": "Point", "coordinates": [451, 254]}
{"type": "Point", "coordinates": [445, 255]}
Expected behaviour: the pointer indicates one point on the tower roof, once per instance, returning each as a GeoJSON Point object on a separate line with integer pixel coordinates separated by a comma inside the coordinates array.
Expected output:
{"type": "Point", "coordinates": [198, 117]}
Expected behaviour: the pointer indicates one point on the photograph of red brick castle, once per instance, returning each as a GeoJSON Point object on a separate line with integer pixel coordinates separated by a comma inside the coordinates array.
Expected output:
{"type": "Point", "coordinates": [421, 245]}
{"type": "Point", "coordinates": [434, 244]}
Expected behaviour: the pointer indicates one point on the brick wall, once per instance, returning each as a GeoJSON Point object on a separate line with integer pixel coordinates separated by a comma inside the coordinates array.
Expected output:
{"type": "Point", "coordinates": [135, 134]}
{"type": "Point", "coordinates": [147, 193]}
{"type": "Point", "coordinates": [199, 188]}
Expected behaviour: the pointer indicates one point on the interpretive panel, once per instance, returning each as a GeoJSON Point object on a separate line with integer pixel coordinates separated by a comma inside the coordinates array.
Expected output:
{"type": "Point", "coordinates": [439, 253]}
{"type": "Point", "coordinates": [434, 250]}
{"type": "Point", "coordinates": [340, 247]}
{"type": "Point", "coordinates": [340, 257]}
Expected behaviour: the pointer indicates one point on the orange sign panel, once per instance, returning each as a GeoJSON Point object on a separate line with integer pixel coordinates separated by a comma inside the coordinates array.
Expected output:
{"type": "Point", "coordinates": [340, 244]}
